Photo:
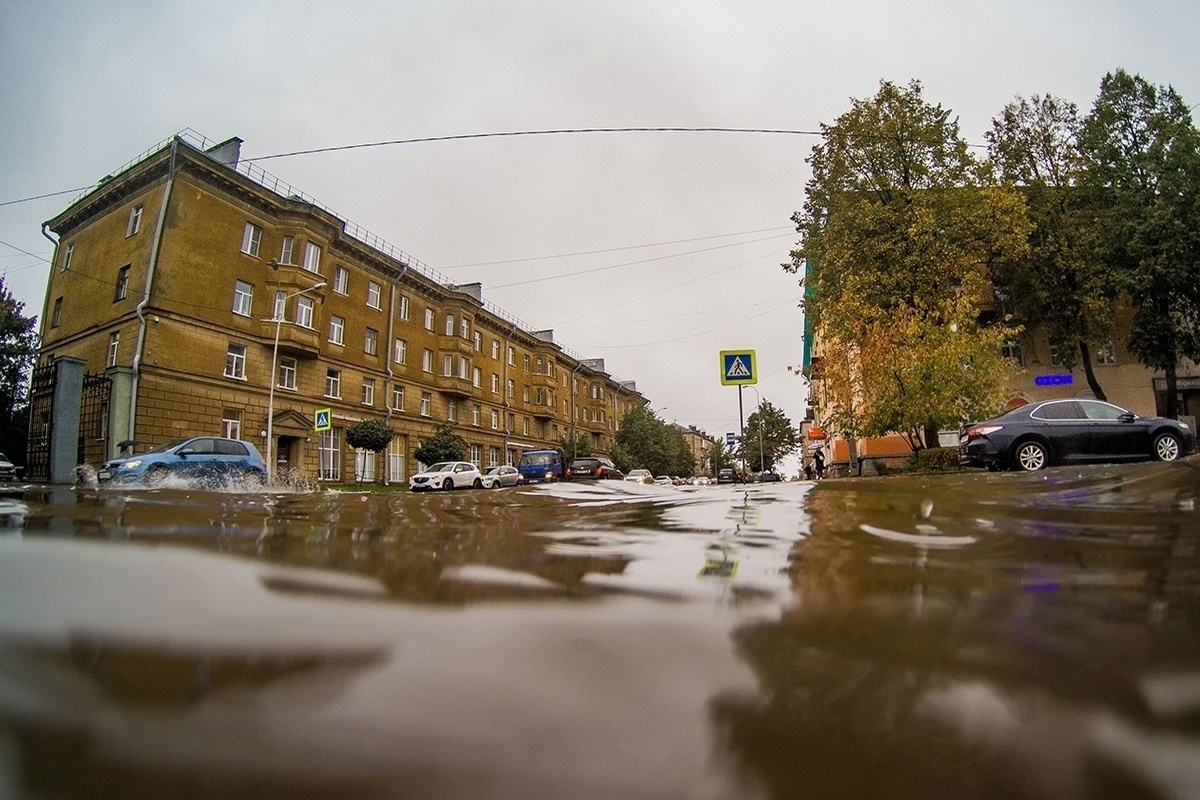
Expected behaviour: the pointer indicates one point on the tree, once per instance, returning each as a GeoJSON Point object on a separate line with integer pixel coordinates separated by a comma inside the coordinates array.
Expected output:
{"type": "Point", "coordinates": [646, 442]}
{"type": "Point", "coordinates": [899, 229]}
{"type": "Point", "coordinates": [769, 437]}
{"type": "Point", "coordinates": [372, 434]}
{"type": "Point", "coordinates": [18, 352]}
{"type": "Point", "coordinates": [575, 446]}
{"type": "Point", "coordinates": [719, 458]}
{"type": "Point", "coordinates": [443, 445]}
{"type": "Point", "coordinates": [1060, 287]}
{"type": "Point", "coordinates": [1142, 165]}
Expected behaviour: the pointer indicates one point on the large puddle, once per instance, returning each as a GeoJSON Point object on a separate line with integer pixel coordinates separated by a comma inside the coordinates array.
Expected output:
{"type": "Point", "coordinates": [960, 636]}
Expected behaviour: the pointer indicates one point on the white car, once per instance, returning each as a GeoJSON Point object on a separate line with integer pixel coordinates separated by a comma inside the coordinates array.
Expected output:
{"type": "Point", "coordinates": [447, 475]}
{"type": "Point", "coordinates": [497, 477]}
{"type": "Point", "coordinates": [639, 476]}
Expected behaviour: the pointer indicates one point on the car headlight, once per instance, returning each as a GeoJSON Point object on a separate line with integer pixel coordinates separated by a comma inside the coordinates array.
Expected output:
{"type": "Point", "coordinates": [137, 462]}
{"type": "Point", "coordinates": [548, 475]}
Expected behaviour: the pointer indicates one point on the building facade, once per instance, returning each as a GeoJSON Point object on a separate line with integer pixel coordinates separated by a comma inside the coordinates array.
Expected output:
{"type": "Point", "coordinates": [220, 301]}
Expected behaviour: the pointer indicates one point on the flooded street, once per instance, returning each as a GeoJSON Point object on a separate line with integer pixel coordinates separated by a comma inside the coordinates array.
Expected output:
{"type": "Point", "coordinates": [970, 635]}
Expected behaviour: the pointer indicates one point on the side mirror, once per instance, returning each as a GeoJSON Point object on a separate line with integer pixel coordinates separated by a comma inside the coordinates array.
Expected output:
{"type": "Point", "coordinates": [187, 451]}
{"type": "Point", "coordinates": [1127, 417]}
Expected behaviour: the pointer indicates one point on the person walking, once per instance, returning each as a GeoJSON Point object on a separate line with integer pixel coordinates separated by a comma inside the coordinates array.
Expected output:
{"type": "Point", "coordinates": [819, 464]}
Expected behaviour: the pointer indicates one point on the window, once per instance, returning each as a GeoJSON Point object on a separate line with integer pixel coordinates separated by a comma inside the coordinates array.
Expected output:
{"type": "Point", "coordinates": [495, 419]}
{"type": "Point", "coordinates": [402, 307]}
{"type": "Point", "coordinates": [67, 253]}
{"type": "Point", "coordinates": [1106, 353]}
{"type": "Point", "coordinates": [538, 365]}
{"type": "Point", "coordinates": [525, 362]}
{"type": "Point", "coordinates": [285, 252]}
{"type": "Point", "coordinates": [397, 398]}
{"type": "Point", "coordinates": [135, 221]}
{"type": "Point", "coordinates": [495, 383]}
{"type": "Point", "coordinates": [476, 416]}
{"type": "Point", "coordinates": [449, 324]}
{"type": "Point", "coordinates": [251, 239]}
{"type": "Point", "coordinates": [312, 257]}
{"type": "Point", "coordinates": [374, 291]}
{"type": "Point", "coordinates": [1012, 351]}
{"type": "Point", "coordinates": [113, 341]}
{"type": "Point", "coordinates": [427, 360]}
{"type": "Point", "coordinates": [476, 377]}
{"type": "Point", "coordinates": [464, 367]}
{"type": "Point", "coordinates": [231, 423]}
{"type": "Point", "coordinates": [364, 465]}
{"type": "Point", "coordinates": [524, 426]}
{"type": "Point", "coordinates": [371, 342]}
{"type": "Point", "coordinates": [1056, 355]}
{"type": "Point", "coordinates": [287, 373]}
{"type": "Point", "coordinates": [493, 456]}
{"type": "Point", "coordinates": [539, 396]}
{"type": "Point", "coordinates": [512, 423]}
{"type": "Point", "coordinates": [235, 362]}
{"type": "Point", "coordinates": [478, 342]}
{"type": "Point", "coordinates": [396, 460]}
{"type": "Point", "coordinates": [304, 311]}
{"type": "Point", "coordinates": [448, 365]}
{"type": "Point", "coordinates": [243, 295]}
{"type": "Point", "coordinates": [452, 410]}
{"type": "Point", "coordinates": [512, 357]}
{"type": "Point", "coordinates": [426, 404]}
{"type": "Point", "coordinates": [524, 394]}
{"type": "Point", "coordinates": [464, 328]}
{"type": "Point", "coordinates": [400, 354]}
{"type": "Point", "coordinates": [495, 348]}
{"type": "Point", "coordinates": [368, 392]}
{"type": "Point", "coordinates": [280, 303]}
{"type": "Point", "coordinates": [333, 383]}
{"type": "Point", "coordinates": [341, 280]}
{"type": "Point", "coordinates": [512, 388]}
{"type": "Point", "coordinates": [476, 454]}
{"type": "Point", "coordinates": [56, 315]}
{"type": "Point", "coordinates": [329, 455]}
{"type": "Point", "coordinates": [337, 328]}
{"type": "Point", "coordinates": [429, 319]}
{"type": "Point", "coordinates": [123, 285]}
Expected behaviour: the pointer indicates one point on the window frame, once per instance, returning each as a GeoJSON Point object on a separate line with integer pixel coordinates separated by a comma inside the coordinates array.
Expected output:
{"type": "Point", "coordinates": [341, 279]}
{"type": "Point", "coordinates": [368, 392]}
{"type": "Point", "coordinates": [114, 342]}
{"type": "Point", "coordinates": [251, 240]}
{"type": "Point", "coordinates": [235, 361]}
{"type": "Point", "coordinates": [333, 383]}
{"type": "Point", "coordinates": [305, 312]}
{"type": "Point", "coordinates": [337, 330]}
{"type": "Point", "coordinates": [371, 341]}
{"type": "Point", "coordinates": [121, 290]}
{"type": "Point", "coordinates": [374, 293]}
{"type": "Point", "coordinates": [288, 368]}
{"type": "Point", "coordinates": [135, 220]}
{"type": "Point", "coordinates": [243, 298]}
{"type": "Point", "coordinates": [312, 257]}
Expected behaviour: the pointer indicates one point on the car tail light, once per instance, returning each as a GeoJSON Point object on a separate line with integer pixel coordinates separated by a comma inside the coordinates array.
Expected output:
{"type": "Point", "coordinates": [982, 430]}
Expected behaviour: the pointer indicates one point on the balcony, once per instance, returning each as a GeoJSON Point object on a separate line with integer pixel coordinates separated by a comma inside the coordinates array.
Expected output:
{"type": "Point", "coordinates": [455, 386]}
{"type": "Point", "coordinates": [455, 344]}
{"type": "Point", "coordinates": [542, 412]}
{"type": "Point", "coordinates": [295, 340]}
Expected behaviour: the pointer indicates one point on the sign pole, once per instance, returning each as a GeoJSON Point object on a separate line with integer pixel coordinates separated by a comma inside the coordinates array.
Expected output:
{"type": "Point", "coordinates": [742, 429]}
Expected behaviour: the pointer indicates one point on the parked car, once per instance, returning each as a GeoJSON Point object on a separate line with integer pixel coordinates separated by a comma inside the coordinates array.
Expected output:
{"type": "Point", "coordinates": [541, 465]}
{"type": "Point", "coordinates": [497, 477]}
{"type": "Point", "coordinates": [639, 476]}
{"type": "Point", "coordinates": [8, 471]}
{"type": "Point", "coordinates": [728, 475]}
{"type": "Point", "coordinates": [204, 458]}
{"type": "Point", "coordinates": [447, 475]}
{"type": "Point", "coordinates": [594, 467]}
{"type": "Point", "coordinates": [663, 480]}
{"type": "Point", "coordinates": [1071, 431]}
{"type": "Point", "coordinates": [769, 477]}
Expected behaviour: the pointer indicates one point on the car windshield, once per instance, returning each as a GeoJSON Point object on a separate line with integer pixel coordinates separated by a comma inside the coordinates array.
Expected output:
{"type": "Point", "coordinates": [447, 466]}
{"type": "Point", "coordinates": [163, 448]}
{"type": "Point", "coordinates": [587, 463]}
{"type": "Point", "coordinates": [493, 471]}
{"type": "Point", "coordinates": [535, 459]}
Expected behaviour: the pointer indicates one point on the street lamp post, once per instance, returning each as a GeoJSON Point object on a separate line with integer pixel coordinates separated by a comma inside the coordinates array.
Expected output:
{"type": "Point", "coordinates": [280, 313]}
{"type": "Point", "coordinates": [761, 468]}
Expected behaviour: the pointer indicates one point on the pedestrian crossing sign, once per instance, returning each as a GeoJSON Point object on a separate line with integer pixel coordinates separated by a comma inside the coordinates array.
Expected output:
{"type": "Point", "coordinates": [323, 421]}
{"type": "Point", "coordinates": [738, 368]}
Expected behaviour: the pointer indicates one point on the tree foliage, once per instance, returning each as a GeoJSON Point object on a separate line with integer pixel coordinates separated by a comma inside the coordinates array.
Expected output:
{"type": "Point", "coordinates": [371, 434]}
{"type": "Point", "coordinates": [1141, 156]}
{"type": "Point", "coordinates": [18, 351]}
{"type": "Point", "coordinates": [1059, 288]}
{"type": "Point", "coordinates": [646, 442]}
{"type": "Point", "coordinates": [769, 437]}
{"type": "Point", "coordinates": [719, 458]}
{"type": "Point", "coordinates": [578, 445]}
{"type": "Point", "coordinates": [443, 445]}
{"type": "Point", "coordinates": [899, 229]}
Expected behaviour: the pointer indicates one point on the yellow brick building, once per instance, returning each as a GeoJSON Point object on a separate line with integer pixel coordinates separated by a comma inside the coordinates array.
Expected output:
{"type": "Point", "coordinates": [177, 275]}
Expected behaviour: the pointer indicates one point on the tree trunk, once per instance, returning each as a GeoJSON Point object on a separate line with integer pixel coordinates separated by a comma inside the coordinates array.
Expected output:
{"type": "Point", "coordinates": [1172, 393]}
{"type": "Point", "coordinates": [931, 435]}
{"type": "Point", "coordinates": [1085, 357]}
{"type": "Point", "coordinates": [852, 446]}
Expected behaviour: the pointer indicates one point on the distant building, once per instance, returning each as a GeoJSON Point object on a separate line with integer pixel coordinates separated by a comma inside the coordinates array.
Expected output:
{"type": "Point", "coordinates": [176, 276]}
{"type": "Point", "coordinates": [701, 445]}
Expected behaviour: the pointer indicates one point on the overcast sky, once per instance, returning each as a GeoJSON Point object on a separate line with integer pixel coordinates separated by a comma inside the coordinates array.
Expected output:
{"type": "Point", "coordinates": [653, 251]}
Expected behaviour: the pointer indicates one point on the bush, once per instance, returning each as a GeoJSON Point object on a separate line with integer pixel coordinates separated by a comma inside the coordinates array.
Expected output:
{"type": "Point", "coordinates": [936, 459]}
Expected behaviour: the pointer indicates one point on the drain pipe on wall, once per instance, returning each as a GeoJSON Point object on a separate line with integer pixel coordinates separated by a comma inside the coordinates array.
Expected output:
{"type": "Point", "coordinates": [140, 311]}
{"type": "Point", "coordinates": [389, 359]}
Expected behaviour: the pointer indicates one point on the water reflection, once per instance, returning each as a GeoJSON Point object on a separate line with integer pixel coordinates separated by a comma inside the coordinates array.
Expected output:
{"type": "Point", "coordinates": [953, 636]}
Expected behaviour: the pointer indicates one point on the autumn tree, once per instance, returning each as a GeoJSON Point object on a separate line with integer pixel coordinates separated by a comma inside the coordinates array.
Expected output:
{"type": "Point", "coordinates": [769, 437]}
{"type": "Point", "coordinates": [899, 229]}
{"type": "Point", "coordinates": [1141, 157]}
{"type": "Point", "coordinates": [1059, 287]}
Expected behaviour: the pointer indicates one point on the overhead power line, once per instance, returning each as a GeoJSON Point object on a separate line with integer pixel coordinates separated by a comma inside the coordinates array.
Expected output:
{"type": "Point", "coordinates": [551, 132]}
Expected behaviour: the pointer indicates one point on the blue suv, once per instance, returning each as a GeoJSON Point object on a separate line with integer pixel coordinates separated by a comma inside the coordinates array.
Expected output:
{"type": "Point", "coordinates": [208, 459]}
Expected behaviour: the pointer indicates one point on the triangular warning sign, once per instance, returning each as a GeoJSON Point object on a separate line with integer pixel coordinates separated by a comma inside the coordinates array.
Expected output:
{"type": "Point", "coordinates": [738, 369]}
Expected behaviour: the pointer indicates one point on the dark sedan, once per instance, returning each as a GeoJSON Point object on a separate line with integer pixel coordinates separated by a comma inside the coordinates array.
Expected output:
{"type": "Point", "coordinates": [1074, 431]}
{"type": "Point", "coordinates": [595, 467]}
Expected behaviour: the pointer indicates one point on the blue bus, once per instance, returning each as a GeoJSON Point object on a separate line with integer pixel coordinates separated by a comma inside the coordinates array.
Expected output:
{"type": "Point", "coordinates": [541, 465]}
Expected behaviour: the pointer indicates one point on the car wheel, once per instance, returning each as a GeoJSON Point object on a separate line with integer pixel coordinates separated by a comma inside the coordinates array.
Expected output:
{"type": "Point", "coordinates": [256, 477]}
{"type": "Point", "coordinates": [478, 484]}
{"type": "Point", "coordinates": [496, 484]}
{"type": "Point", "coordinates": [1030, 456]}
{"type": "Point", "coordinates": [156, 475]}
{"type": "Point", "coordinates": [1166, 447]}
